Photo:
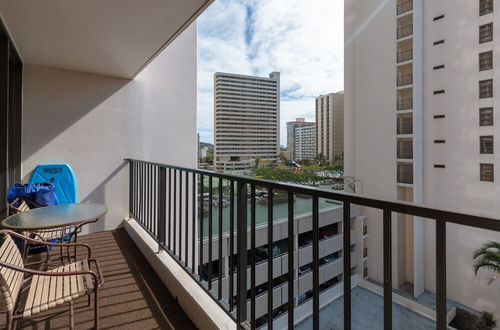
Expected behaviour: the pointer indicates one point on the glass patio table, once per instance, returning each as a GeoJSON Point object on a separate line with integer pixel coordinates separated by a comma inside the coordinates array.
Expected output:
{"type": "Point", "coordinates": [49, 217]}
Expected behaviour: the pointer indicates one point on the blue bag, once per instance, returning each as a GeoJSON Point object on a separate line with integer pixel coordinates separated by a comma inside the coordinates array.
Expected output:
{"type": "Point", "coordinates": [41, 193]}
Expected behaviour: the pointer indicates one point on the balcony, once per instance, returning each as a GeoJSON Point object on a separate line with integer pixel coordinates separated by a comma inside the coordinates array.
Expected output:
{"type": "Point", "coordinates": [404, 7]}
{"type": "Point", "coordinates": [405, 149]}
{"type": "Point", "coordinates": [404, 55]}
{"type": "Point", "coordinates": [404, 79]}
{"type": "Point", "coordinates": [404, 31]}
{"type": "Point", "coordinates": [404, 125]}
{"type": "Point", "coordinates": [405, 104]}
{"type": "Point", "coordinates": [405, 173]}
{"type": "Point", "coordinates": [133, 295]}
{"type": "Point", "coordinates": [92, 109]}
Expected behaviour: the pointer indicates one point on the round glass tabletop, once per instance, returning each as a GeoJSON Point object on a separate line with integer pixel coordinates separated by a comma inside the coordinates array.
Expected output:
{"type": "Point", "coordinates": [55, 216]}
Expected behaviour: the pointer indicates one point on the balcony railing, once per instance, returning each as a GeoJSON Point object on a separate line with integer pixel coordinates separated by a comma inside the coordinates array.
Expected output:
{"type": "Point", "coordinates": [405, 173]}
{"type": "Point", "coordinates": [405, 150]}
{"type": "Point", "coordinates": [405, 104]}
{"type": "Point", "coordinates": [405, 125]}
{"type": "Point", "coordinates": [166, 201]}
{"type": "Point", "coordinates": [405, 79]}
{"type": "Point", "coordinates": [405, 31]}
{"type": "Point", "coordinates": [404, 55]}
{"type": "Point", "coordinates": [404, 7]}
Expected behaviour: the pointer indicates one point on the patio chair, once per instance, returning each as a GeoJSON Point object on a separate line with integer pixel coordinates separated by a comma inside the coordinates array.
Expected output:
{"type": "Point", "coordinates": [56, 234]}
{"type": "Point", "coordinates": [26, 292]}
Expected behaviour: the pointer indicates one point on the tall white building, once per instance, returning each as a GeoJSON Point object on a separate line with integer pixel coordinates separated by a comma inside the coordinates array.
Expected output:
{"type": "Point", "coordinates": [290, 134]}
{"type": "Point", "coordinates": [304, 143]}
{"type": "Point", "coordinates": [246, 120]}
{"type": "Point", "coordinates": [330, 125]}
{"type": "Point", "coordinates": [420, 100]}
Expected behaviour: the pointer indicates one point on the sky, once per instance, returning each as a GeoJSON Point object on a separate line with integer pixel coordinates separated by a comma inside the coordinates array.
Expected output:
{"type": "Point", "coordinates": [303, 40]}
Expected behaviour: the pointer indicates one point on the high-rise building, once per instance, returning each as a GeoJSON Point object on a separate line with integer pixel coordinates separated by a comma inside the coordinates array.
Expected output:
{"type": "Point", "coordinates": [246, 117]}
{"type": "Point", "coordinates": [290, 134]}
{"type": "Point", "coordinates": [420, 100]}
{"type": "Point", "coordinates": [305, 143]}
{"type": "Point", "coordinates": [330, 125]}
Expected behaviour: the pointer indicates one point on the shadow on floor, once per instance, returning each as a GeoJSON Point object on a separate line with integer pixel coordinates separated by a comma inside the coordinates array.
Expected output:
{"type": "Point", "coordinates": [132, 295]}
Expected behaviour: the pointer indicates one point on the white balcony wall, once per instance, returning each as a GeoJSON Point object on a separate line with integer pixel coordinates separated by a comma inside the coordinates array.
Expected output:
{"type": "Point", "coordinates": [93, 122]}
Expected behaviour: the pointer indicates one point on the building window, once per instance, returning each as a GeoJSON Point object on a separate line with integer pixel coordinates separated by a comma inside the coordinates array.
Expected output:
{"type": "Point", "coordinates": [486, 61]}
{"type": "Point", "coordinates": [485, 7]}
{"type": "Point", "coordinates": [486, 33]}
{"type": "Point", "coordinates": [486, 88]}
{"type": "Point", "coordinates": [486, 117]}
{"type": "Point", "coordinates": [486, 144]}
{"type": "Point", "coordinates": [486, 172]}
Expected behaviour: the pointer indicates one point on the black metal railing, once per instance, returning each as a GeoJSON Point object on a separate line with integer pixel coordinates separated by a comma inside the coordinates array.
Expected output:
{"type": "Point", "coordinates": [174, 203]}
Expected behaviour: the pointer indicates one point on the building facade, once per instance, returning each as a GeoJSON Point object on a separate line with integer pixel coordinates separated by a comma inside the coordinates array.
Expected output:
{"type": "Point", "coordinates": [331, 259]}
{"type": "Point", "coordinates": [330, 125]}
{"type": "Point", "coordinates": [246, 120]}
{"type": "Point", "coordinates": [420, 99]}
{"type": "Point", "coordinates": [290, 134]}
{"type": "Point", "coordinates": [304, 143]}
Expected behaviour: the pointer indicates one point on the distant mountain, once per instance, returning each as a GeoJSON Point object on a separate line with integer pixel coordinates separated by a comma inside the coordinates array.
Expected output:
{"type": "Point", "coordinates": [206, 144]}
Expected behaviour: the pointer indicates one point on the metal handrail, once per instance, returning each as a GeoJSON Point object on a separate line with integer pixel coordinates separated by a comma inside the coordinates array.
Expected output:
{"type": "Point", "coordinates": [163, 200]}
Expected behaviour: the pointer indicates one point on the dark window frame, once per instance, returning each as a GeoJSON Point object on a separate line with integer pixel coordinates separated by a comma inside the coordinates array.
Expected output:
{"type": "Point", "coordinates": [487, 172]}
{"type": "Point", "coordinates": [485, 7]}
{"type": "Point", "coordinates": [486, 116]}
{"type": "Point", "coordinates": [486, 61]}
{"type": "Point", "coordinates": [486, 89]}
{"type": "Point", "coordinates": [486, 33]}
{"type": "Point", "coordinates": [486, 144]}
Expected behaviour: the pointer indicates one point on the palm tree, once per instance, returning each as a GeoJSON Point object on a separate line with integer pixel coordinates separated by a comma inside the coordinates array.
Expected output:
{"type": "Point", "coordinates": [488, 257]}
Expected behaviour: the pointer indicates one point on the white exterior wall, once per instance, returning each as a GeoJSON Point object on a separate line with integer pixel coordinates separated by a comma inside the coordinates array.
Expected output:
{"type": "Point", "coordinates": [246, 120]}
{"type": "Point", "coordinates": [93, 122]}
{"type": "Point", "coordinates": [370, 126]}
{"type": "Point", "coordinates": [305, 143]}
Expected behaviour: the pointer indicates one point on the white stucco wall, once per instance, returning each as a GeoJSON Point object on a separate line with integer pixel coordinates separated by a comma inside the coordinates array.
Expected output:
{"type": "Point", "coordinates": [93, 122]}
{"type": "Point", "coordinates": [370, 95]}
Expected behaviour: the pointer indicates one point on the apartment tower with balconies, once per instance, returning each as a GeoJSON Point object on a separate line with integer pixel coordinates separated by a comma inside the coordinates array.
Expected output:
{"type": "Point", "coordinates": [330, 126]}
{"type": "Point", "coordinates": [420, 102]}
{"type": "Point", "coordinates": [246, 120]}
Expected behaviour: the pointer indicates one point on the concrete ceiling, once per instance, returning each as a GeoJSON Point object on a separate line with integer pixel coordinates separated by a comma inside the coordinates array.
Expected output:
{"type": "Point", "coordinates": [110, 37]}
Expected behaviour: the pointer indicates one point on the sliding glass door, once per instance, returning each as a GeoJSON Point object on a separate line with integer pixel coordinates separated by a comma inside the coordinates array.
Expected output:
{"type": "Point", "coordinates": [11, 68]}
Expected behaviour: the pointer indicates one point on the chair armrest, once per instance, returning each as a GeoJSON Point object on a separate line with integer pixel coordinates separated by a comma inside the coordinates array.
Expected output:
{"type": "Point", "coordinates": [97, 266]}
{"type": "Point", "coordinates": [97, 279]}
{"type": "Point", "coordinates": [40, 242]}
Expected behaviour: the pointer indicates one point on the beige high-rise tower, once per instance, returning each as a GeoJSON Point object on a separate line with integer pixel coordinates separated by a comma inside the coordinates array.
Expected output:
{"type": "Point", "coordinates": [330, 125]}
{"type": "Point", "coordinates": [246, 120]}
{"type": "Point", "coordinates": [420, 102]}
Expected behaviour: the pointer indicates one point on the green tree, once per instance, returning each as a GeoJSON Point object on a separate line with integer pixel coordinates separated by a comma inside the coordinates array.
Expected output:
{"type": "Point", "coordinates": [488, 257]}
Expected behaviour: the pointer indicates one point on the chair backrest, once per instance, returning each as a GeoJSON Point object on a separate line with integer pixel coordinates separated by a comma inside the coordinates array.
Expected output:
{"type": "Point", "coordinates": [22, 207]}
{"type": "Point", "coordinates": [10, 279]}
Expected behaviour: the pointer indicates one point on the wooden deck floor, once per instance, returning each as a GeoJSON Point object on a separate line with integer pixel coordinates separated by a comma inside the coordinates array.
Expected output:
{"type": "Point", "coordinates": [132, 296]}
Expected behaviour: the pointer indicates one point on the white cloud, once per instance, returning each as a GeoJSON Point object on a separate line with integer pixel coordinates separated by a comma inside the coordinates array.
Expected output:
{"type": "Point", "coordinates": [301, 39]}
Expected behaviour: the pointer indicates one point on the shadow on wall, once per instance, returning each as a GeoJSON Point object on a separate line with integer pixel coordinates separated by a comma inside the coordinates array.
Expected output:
{"type": "Point", "coordinates": [56, 101]}
{"type": "Point", "coordinates": [98, 195]}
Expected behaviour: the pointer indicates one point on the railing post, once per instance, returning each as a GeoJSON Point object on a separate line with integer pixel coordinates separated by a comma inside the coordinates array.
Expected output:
{"type": "Point", "coordinates": [441, 274]}
{"type": "Point", "coordinates": [387, 242]}
{"type": "Point", "coordinates": [162, 204]}
{"type": "Point", "coordinates": [131, 189]}
{"type": "Point", "coordinates": [347, 264]}
{"type": "Point", "coordinates": [241, 219]}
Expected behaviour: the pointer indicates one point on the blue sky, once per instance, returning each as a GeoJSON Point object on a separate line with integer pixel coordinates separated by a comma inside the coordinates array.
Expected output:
{"type": "Point", "coordinates": [303, 40]}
